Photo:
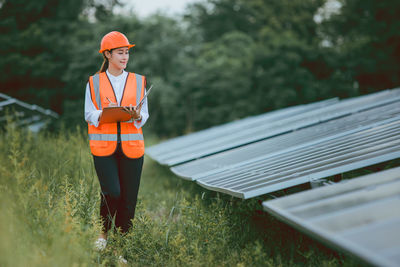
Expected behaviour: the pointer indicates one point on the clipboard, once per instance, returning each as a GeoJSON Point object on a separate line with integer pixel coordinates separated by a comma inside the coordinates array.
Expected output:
{"type": "Point", "coordinates": [145, 95]}
{"type": "Point", "coordinates": [118, 114]}
{"type": "Point", "coordinates": [114, 114]}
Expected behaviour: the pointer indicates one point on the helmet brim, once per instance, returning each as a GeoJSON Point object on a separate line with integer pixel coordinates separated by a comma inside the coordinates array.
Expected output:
{"type": "Point", "coordinates": [105, 49]}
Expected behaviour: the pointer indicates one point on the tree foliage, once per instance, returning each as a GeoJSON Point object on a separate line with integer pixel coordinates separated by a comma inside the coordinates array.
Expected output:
{"type": "Point", "coordinates": [365, 35]}
{"type": "Point", "coordinates": [35, 48]}
{"type": "Point", "coordinates": [223, 60]}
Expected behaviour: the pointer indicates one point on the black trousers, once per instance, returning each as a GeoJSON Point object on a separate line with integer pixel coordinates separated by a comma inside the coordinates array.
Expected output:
{"type": "Point", "coordinates": [119, 178]}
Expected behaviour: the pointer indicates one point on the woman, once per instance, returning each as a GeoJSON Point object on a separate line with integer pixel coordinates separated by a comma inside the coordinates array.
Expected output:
{"type": "Point", "coordinates": [117, 147]}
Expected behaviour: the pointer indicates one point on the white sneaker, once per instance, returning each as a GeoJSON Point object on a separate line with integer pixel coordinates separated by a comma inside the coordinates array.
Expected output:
{"type": "Point", "coordinates": [100, 244]}
{"type": "Point", "coordinates": [122, 260]}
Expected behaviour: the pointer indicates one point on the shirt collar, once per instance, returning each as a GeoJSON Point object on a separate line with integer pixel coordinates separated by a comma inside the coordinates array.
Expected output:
{"type": "Point", "coordinates": [116, 78]}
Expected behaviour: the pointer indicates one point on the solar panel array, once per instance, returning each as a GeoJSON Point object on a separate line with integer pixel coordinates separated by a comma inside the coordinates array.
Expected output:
{"type": "Point", "coordinates": [361, 215]}
{"type": "Point", "coordinates": [274, 151]}
{"type": "Point", "coordinates": [272, 173]}
{"type": "Point", "coordinates": [306, 143]}
{"type": "Point", "coordinates": [287, 143]}
{"type": "Point", "coordinates": [33, 116]}
{"type": "Point", "coordinates": [176, 150]}
{"type": "Point", "coordinates": [8, 101]}
{"type": "Point", "coordinates": [225, 137]}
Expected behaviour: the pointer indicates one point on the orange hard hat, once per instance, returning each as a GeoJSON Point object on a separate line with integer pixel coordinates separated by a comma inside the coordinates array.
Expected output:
{"type": "Point", "coordinates": [114, 40]}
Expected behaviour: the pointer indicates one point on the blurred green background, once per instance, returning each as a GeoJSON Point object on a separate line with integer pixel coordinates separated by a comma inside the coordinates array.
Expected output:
{"type": "Point", "coordinates": [219, 61]}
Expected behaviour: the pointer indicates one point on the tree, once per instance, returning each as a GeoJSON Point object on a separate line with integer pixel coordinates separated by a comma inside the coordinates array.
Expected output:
{"type": "Point", "coordinates": [35, 49]}
{"type": "Point", "coordinates": [38, 45]}
{"type": "Point", "coordinates": [220, 87]}
{"type": "Point", "coordinates": [289, 65]}
{"type": "Point", "coordinates": [365, 38]}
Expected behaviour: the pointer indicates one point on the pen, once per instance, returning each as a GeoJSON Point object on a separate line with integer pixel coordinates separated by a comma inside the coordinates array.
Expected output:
{"type": "Point", "coordinates": [109, 100]}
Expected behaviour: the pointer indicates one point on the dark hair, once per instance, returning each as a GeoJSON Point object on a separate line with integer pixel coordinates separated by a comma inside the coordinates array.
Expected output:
{"type": "Point", "coordinates": [104, 66]}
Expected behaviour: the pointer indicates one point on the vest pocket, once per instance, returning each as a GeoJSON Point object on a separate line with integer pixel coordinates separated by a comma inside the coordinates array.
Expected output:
{"type": "Point", "coordinates": [97, 143]}
{"type": "Point", "coordinates": [135, 143]}
{"type": "Point", "coordinates": [133, 149]}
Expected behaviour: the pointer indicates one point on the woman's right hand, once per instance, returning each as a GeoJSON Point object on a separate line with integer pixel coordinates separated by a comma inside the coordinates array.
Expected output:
{"type": "Point", "coordinates": [134, 112]}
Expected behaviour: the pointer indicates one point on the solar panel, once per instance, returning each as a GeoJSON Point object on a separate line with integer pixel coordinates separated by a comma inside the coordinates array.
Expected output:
{"type": "Point", "coordinates": [275, 172]}
{"type": "Point", "coordinates": [288, 142]}
{"type": "Point", "coordinates": [12, 101]}
{"type": "Point", "coordinates": [199, 137]}
{"type": "Point", "coordinates": [32, 116]}
{"type": "Point", "coordinates": [206, 144]}
{"type": "Point", "coordinates": [360, 216]}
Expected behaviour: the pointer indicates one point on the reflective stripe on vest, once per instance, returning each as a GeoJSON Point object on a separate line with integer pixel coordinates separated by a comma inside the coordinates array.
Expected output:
{"type": "Point", "coordinates": [138, 87]}
{"type": "Point", "coordinates": [113, 137]}
{"type": "Point", "coordinates": [96, 87]}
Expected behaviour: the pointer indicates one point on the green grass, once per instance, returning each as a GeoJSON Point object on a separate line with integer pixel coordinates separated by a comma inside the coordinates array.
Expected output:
{"type": "Point", "coordinates": [49, 205]}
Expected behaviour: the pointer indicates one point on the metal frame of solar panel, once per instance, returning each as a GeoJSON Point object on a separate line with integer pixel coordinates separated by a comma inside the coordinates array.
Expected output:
{"type": "Point", "coordinates": [271, 173]}
{"type": "Point", "coordinates": [159, 151]}
{"type": "Point", "coordinates": [288, 142]}
{"type": "Point", "coordinates": [259, 131]}
{"type": "Point", "coordinates": [360, 216]}
{"type": "Point", "coordinates": [12, 101]}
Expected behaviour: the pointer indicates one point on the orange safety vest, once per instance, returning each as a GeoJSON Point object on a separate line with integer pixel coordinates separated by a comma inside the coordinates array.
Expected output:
{"type": "Point", "coordinates": [103, 139]}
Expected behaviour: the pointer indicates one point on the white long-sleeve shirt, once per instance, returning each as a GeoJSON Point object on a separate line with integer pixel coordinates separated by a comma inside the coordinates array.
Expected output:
{"type": "Point", "coordinates": [92, 114]}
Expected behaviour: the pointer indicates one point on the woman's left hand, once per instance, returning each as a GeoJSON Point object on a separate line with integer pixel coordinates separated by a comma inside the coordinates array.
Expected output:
{"type": "Point", "coordinates": [134, 112]}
